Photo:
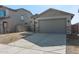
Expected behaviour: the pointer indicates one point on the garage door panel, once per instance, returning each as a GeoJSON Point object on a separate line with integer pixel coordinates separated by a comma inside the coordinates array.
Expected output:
{"type": "Point", "coordinates": [52, 26]}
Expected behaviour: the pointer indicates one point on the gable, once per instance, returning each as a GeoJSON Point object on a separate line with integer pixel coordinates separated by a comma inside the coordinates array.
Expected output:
{"type": "Point", "coordinates": [22, 12]}
{"type": "Point", "coordinates": [53, 12]}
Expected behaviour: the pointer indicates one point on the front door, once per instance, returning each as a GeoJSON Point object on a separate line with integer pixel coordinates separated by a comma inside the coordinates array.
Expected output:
{"type": "Point", "coordinates": [5, 25]}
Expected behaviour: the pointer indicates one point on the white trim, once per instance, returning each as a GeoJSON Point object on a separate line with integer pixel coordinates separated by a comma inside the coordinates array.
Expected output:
{"type": "Point", "coordinates": [7, 12]}
{"type": "Point", "coordinates": [22, 17]}
{"type": "Point", "coordinates": [55, 17]}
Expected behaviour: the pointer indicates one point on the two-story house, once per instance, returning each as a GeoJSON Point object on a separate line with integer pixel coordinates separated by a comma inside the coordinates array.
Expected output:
{"type": "Point", "coordinates": [14, 20]}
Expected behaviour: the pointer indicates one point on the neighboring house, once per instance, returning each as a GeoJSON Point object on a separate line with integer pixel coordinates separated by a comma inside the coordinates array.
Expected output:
{"type": "Point", "coordinates": [14, 20]}
{"type": "Point", "coordinates": [75, 28]}
{"type": "Point", "coordinates": [52, 21]}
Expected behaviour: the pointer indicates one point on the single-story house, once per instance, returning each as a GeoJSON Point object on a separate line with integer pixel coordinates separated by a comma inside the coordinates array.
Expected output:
{"type": "Point", "coordinates": [52, 21]}
{"type": "Point", "coordinates": [14, 20]}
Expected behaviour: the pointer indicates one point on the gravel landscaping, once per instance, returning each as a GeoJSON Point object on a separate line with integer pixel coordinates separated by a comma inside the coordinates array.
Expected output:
{"type": "Point", "coordinates": [11, 37]}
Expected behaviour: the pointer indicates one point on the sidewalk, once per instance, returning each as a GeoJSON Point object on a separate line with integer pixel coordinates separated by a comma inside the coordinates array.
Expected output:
{"type": "Point", "coordinates": [8, 49]}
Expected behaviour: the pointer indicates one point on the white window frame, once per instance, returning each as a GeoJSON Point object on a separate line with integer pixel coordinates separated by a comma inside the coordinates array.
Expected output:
{"type": "Point", "coordinates": [22, 17]}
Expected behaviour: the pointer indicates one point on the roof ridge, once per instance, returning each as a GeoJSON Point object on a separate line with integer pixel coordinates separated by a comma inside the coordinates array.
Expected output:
{"type": "Point", "coordinates": [23, 9]}
{"type": "Point", "coordinates": [57, 10]}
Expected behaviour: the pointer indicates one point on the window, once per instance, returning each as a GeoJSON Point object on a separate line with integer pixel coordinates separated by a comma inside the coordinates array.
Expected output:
{"type": "Point", "coordinates": [22, 17]}
{"type": "Point", "coordinates": [2, 13]}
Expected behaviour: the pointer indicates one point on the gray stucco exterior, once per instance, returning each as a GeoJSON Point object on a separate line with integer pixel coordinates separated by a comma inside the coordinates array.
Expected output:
{"type": "Point", "coordinates": [17, 20]}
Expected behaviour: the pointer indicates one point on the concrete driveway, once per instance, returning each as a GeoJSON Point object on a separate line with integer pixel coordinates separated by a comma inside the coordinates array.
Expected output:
{"type": "Point", "coordinates": [42, 43]}
{"type": "Point", "coordinates": [46, 40]}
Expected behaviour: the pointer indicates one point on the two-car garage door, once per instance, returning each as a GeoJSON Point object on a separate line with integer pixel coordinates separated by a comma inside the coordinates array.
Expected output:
{"type": "Point", "coordinates": [52, 25]}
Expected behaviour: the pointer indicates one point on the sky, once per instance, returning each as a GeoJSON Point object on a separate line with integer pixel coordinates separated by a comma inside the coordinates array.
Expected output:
{"type": "Point", "coordinates": [40, 2]}
{"type": "Point", "coordinates": [36, 9]}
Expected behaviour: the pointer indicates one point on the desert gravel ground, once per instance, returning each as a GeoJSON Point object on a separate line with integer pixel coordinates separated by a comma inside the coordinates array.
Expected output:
{"type": "Point", "coordinates": [72, 46]}
{"type": "Point", "coordinates": [8, 38]}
